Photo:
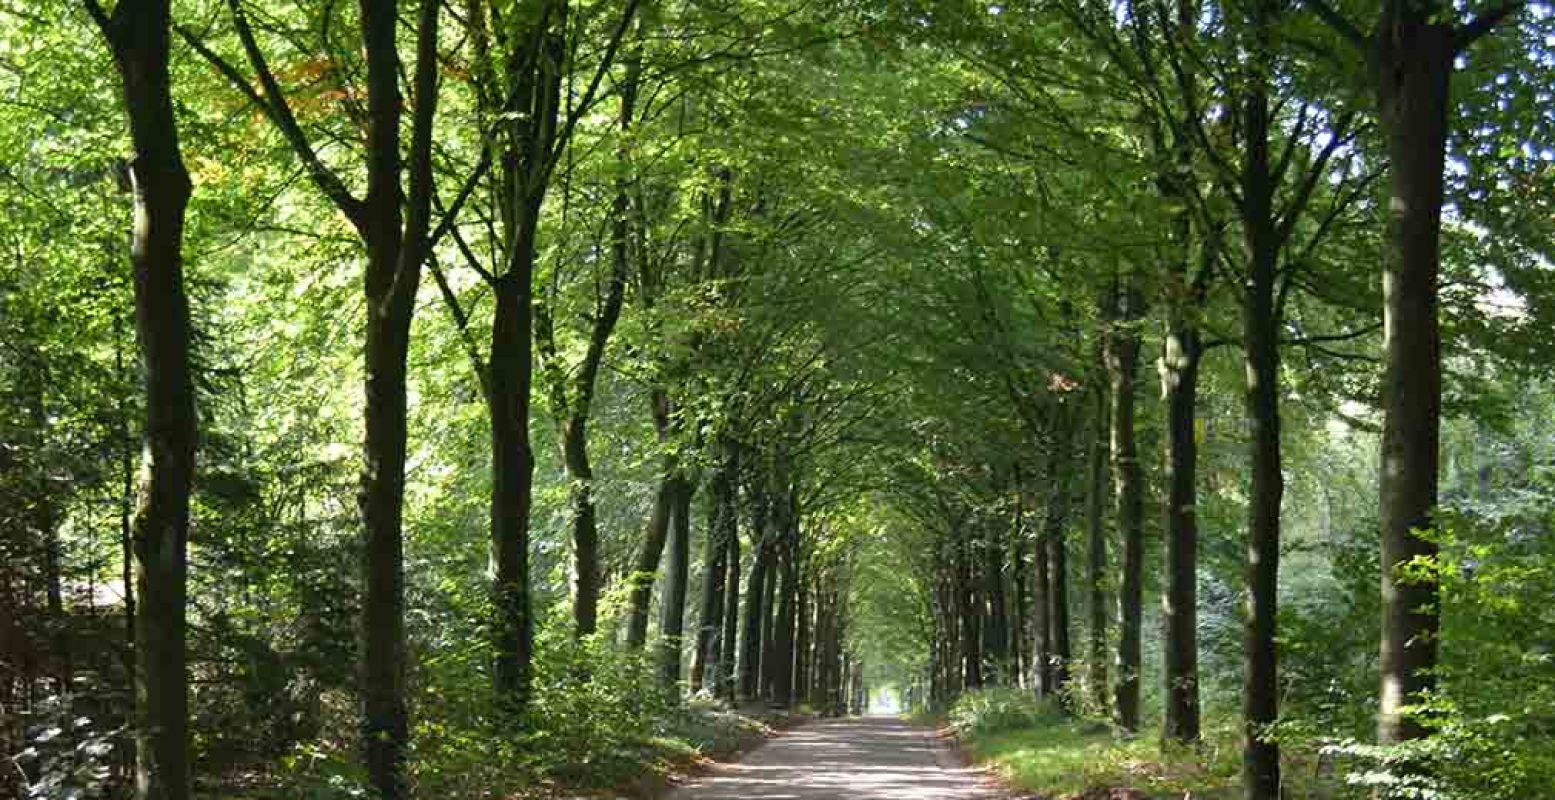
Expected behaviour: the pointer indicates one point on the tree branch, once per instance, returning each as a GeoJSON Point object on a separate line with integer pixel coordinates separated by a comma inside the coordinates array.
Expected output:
{"type": "Point", "coordinates": [1338, 137]}
{"type": "Point", "coordinates": [462, 323]}
{"type": "Point", "coordinates": [1340, 25]}
{"type": "Point", "coordinates": [565, 135]}
{"type": "Point", "coordinates": [272, 101]}
{"type": "Point", "coordinates": [1364, 330]}
{"type": "Point", "coordinates": [100, 16]}
{"type": "Point", "coordinates": [1488, 20]}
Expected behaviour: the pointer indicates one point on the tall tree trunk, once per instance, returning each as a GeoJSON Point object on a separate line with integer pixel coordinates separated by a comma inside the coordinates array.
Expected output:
{"type": "Point", "coordinates": [1042, 666]}
{"type": "Point", "coordinates": [655, 533]}
{"type": "Point", "coordinates": [997, 638]}
{"type": "Point", "coordinates": [1123, 363]}
{"type": "Point", "coordinates": [393, 221]}
{"type": "Point", "coordinates": [1413, 58]}
{"type": "Point", "coordinates": [512, 464]}
{"type": "Point", "coordinates": [1179, 604]}
{"type": "Point", "coordinates": [1057, 590]}
{"type": "Point", "coordinates": [1179, 368]}
{"type": "Point", "coordinates": [587, 582]}
{"type": "Point", "coordinates": [769, 612]}
{"type": "Point", "coordinates": [672, 624]}
{"type": "Point", "coordinates": [722, 545]}
{"type": "Point", "coordinates": [520, 158]}
{"type": "Point", "coordinates": [714, 571]}
{"type": "Point", "coordinates": [138, 33]}
{"type": "Point", "coordinates": [755, 597]}
{"type": "Point", "coordinates": [1097, 490]}
{"type": "Point", "coordinates": [1020, 619]}
{"type": "Point", "coordinates": [395, 233]}
{"type": "Point", "coordinates": [1260, 700]}
{"type": "Point", "coordinates": [783, 635]}
{"type": "Point", "coordinates": [729, 641]}
{"type": "Point", "coordinates": [971, 618]}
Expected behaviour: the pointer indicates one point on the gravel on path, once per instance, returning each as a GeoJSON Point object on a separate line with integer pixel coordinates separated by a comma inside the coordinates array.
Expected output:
{"type": "Point", "coordinates": [870, 758]}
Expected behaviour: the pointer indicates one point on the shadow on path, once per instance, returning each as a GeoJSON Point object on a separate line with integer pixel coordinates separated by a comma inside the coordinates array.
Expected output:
{"type": "Point", "coordinates": [874, 758]}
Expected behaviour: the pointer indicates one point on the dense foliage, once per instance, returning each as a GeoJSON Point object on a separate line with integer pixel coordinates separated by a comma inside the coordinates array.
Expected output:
{"type": "Point", "coordinates": [572, 386]}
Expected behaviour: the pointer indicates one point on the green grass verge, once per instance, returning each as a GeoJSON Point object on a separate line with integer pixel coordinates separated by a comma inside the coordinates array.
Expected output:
{"type": "Point", "coordinates": [1078, 759]}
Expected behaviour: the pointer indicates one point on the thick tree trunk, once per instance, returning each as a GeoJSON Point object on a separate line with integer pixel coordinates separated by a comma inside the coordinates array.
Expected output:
{"type": "Point", "coordinates": [1042, 623]}
{"type": "Point", "coordinates": [783, 635]}
{"type": "Point", "coordinates": [586, 583]}
{"type": "Point", "coordinates": [971, 617]}
{"type": "Point", "coordinates": [1097, 490]}
{"type": "Point", "coordinates": [1057, 591]}
{"type": "Point", "coordinates": [729, 641]}
{"type": "Point", "coordinates": [138, 33]}
{"type": "Point", "coordinates": [655, 533]}
{"type": "Point", "coordinates": [715, 570]}
{"type": "Point", "coordinates": [1413, 61]}
{"type": "Point", "coordinates": [769, 612]}
{"type": "Point", "coordinates": [646, 568]}
{"type": "Point", "coordinates": [1123, 364]}
{"type": "Point", "coordinates": [1059, 619]}
{"type": "Point", "coordinates": [721, 530]}
{"type": "Point", "coordinates": [1020, 619]}
{"type": "Point", "coordinates": [1260, 699]}
{"type": "Point", "coordinates": [1179, 604]}
{"type": "Point", "coordinates": [755, 597]}
{"type": "Point", "coordinates": [997, 638]}
{"type": "Point", "coordinates": [512, 459]}
{"type": "Point", "coordinates": [672, 623]}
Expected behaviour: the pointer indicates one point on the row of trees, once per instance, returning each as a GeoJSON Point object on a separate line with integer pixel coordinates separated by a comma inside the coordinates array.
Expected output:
{"type": "Point", "coordinates": [432, 137]}
{"type": "Point", "coordinates": [827, 322]}
{"type": "Point", "coordinates": [1243, 165]}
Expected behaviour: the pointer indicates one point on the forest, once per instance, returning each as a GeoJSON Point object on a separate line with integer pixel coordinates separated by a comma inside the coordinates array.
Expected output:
{"type": "Point", "coordinates": [534, 398]}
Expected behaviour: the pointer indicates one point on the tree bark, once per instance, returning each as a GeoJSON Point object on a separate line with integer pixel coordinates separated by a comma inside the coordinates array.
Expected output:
{"type": "Point", "coordinates": [723, 564]}
{"type": "Point", "coordinates": [715, 570]}
{"type": "Point", "coordinates": [755, 598]}
{"type": "Point", "coordinates": [1057, 591]}
{"type": "Point", "coordinates": [672, 624]}
{"type": "Point", "coordinates": [1123, 364]}
{"type": "Point", "coordinates": [393, 221]}
{"type": "Point", "coordinates": [787, 606]}
{"type": "Point", "coordinates": [138, 32]}
{"type": "Point", "coordinates": [729, 641]}
{"type": "Point", "coordinates": [1097, 490]}
{"type": "Point", "coordinates": [997, 638]}
{"type": "Point", "coordinates": [1413, 61]}
{"type": "Point", "coordinates": [1042, 623]}
{"type": "Point", "coordinates": [1179, 384]}
{"type": "Point", "coordinates": [655, 534]}
{"type": "Point", "coordinates": [512, 461]}
{"type": "Point", "coordinates": [395, 232]}
{"type": "Point", "coordinates": [1260, 699]}
{"type": "Point", "coordinates": [1179, 604]}
{"type": "Point", "coordinates": [971, 619]}
{"type": "Point", "coordinates": [1020, 620]}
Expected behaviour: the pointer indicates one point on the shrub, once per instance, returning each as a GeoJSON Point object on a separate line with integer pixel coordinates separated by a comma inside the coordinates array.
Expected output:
{"type": "Point", "coordinates": [992, 710]}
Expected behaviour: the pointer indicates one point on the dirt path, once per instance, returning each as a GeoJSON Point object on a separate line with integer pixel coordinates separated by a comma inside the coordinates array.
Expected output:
{"type": "Point", "coordinates": [875, 758]}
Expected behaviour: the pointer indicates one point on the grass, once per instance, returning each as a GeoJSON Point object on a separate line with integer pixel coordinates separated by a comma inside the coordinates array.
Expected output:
{"type": "Point", "coordinates": [1062, 759]}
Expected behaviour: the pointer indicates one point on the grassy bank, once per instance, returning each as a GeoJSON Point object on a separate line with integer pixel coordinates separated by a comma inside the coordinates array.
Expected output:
{"type": "Point", "coordinates": [1040, 751]}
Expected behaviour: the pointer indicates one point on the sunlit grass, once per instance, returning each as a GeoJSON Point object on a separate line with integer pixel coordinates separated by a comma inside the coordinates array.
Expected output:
{"type": "Point", "coordinates": [1071, 759]}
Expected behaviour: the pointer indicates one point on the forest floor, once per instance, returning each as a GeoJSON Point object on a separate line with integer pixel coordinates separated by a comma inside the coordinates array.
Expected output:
{"type": "Point", "coordinates": [869, 758]}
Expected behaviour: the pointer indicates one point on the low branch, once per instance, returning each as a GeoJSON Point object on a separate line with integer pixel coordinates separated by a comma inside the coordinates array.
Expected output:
{"type": "Point", "coordinates": [1488, 20]}
{"type": "Point", "coordinates": [1340, 25]}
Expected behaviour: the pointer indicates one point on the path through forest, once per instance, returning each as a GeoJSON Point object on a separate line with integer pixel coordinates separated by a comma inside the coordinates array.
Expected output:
{"type": "Point", "coordinates": [874, 758]}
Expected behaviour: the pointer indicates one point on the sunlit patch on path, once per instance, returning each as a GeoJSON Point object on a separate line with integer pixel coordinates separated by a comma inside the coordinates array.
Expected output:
{"type": "Point", "coordinates": [873, 758]}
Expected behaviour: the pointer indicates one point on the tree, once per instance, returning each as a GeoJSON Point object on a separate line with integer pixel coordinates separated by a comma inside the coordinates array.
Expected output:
{"type": "Point", "coordinates": [1412, 54]}
{"type": "Point", "coordinates": [139, 32]}
{"type": "Point", "coordinates": [394, 222]}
